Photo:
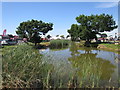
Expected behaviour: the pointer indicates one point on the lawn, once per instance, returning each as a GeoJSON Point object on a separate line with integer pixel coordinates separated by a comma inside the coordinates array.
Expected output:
{"type": "Point", "coordinates": [111, 46]}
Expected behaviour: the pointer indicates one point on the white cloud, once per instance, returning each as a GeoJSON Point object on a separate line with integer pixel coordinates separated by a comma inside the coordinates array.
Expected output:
{"type": "Point", "coordinates": [107, 5]}
{"type": "Point", "coordinates": [112, 32]}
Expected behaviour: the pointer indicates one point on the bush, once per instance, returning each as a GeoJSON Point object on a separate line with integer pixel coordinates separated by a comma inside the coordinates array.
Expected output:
{"type": "Point", "coordinates": [59, 43]}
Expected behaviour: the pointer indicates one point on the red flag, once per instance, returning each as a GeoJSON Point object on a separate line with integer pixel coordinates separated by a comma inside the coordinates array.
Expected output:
{"type": "Point", "coordinates": [4, 32]}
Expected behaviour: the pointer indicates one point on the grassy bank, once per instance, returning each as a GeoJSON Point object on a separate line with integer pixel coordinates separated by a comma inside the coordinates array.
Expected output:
{"type": "Point", "coordinates": [59, 43]}
{"type": "Point", "coordinates": [110, 47]}
{"type": "Point", "coordinates": [45, 43]}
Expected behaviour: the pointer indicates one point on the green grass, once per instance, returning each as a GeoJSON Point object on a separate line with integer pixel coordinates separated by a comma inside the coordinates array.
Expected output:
{"type": "Point", "coordinates": [45, 43]}
{"type": "Point", "coordinates": [59, 43]}
{"type": "Point", "coordinates": [23, 67]}
{"type": "Point", "coordinates": [112, 46]}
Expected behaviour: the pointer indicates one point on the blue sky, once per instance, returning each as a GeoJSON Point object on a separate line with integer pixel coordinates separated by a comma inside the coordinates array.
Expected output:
{"type": "Point", "coordinates": [61, 14]}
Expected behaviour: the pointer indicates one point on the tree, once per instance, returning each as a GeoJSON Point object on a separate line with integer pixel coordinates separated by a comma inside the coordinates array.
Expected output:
{"type": "Point", "coordinates": [67, 36]}
{"type": "Point", "coordinates": [10, 35]}
{"type": "Point", "coordinates": [62, 36]}
{"type": "Point", "coordinates": [86, 34]}
{"type": "Point", "coordinates": [48, 36]}
{"type": "Point", "coordinates": [97, 23]}
{"type": "Point", "coordinates": [89, 26]}
{"type": "Point", "coordinates": [57, 35]}
{"type": "Point", "coordinates": [80, 32]}
{"type": "Point", "coordinates": [32, 29]}
{"type": "Point", "coordinates": [74, 32]}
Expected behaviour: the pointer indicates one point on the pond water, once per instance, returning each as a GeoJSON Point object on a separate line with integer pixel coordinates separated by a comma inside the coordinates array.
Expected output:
{"type": "Point", "coordinates": [83, 66]}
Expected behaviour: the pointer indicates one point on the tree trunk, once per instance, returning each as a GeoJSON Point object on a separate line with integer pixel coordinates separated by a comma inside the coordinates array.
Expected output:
{"type": "Point", "coordinates": [96, 39]}
{"type": "Point", "coordinates": [35, 44]}
{"type": "Point", "coordinates": [87, 43]}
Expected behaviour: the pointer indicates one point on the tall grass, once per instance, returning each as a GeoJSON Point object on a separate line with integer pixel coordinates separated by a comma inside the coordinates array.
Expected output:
{"type": "Point", "coordinates": [91, 69]}
{"type": "Point", "coordinates": [23, 67]}
{"type": "Point", "coordinates": [59, 43]}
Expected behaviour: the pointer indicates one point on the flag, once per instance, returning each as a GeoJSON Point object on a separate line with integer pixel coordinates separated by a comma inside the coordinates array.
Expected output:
{"type": "Point", "coordinates": [4, 32]}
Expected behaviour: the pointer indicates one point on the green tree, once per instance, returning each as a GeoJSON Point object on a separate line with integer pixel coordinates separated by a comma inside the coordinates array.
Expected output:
{"type": "Point", "coordinates": [89, 26]}
{"type": "Point", "coordinates": [57, 35]}
{"type": "Point", "coordinates": [67, 36]}
{"type": "Point", "coordinates": [32, 29]}
{"type": "Point", "coordinates": [62, 36]}
{"type": "Point", "coordinates": [86, 34]}
{"type": "Point", "coordinates": [95, 24]}
{"type": "Point", "coordinates": [74, 32]}
{"type": "Point", "coordinates": [48, 36]}
{"type": "Point", "coordinates": [10, 36]}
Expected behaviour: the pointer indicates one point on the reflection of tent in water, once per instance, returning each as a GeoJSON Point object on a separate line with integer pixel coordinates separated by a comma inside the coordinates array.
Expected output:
{"type": "Point", "coordinates": [91, 68]}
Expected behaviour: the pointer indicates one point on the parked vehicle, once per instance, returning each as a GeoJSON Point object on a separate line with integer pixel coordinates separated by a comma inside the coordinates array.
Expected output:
{"type": "Point", "coordinates": [4, 42]}
{"type": "Point", "coordinates": [8, 42]}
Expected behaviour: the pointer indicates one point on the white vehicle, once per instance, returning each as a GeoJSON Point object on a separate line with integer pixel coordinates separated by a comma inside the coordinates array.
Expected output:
{"type": "Point", "coordinates": [3, 42]}
{"type": "Point", "coordinates": [8, 42]}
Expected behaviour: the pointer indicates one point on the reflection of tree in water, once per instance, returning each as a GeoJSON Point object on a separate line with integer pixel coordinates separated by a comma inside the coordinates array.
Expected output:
{"type": "Point", "coordinates": [91, 69]}
{"type": "Point", "coordinates": [58, 49]}
{"type": "Point", "coordinates": [74, 49]}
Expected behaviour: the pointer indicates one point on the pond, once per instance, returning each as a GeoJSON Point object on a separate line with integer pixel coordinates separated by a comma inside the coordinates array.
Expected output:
{"type": "Point", "coordinates": [82, 67]}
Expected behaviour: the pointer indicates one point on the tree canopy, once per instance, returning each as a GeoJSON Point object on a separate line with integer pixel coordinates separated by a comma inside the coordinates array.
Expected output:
{"type": "Point", "coordinates": [103, 35]}
{"type": "Point", "coordinates": [89, 26]}
{"type": "Point", "coordinates": [57, 35]}
{"type": "Point", "coordinates": [48, 36]}
{"type": "Point", "coordinates": [32, 29]}
{"type": "Point", "coordinates": [62, 36]}
{"type": "Point", "coordinates": [67, 36]}
{"type": "Point", "coordinates": [73, 31]}
{"type": "Point", "coordinates": [10, 35]}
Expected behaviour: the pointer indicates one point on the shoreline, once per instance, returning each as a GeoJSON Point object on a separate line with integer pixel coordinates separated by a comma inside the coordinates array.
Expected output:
{"type": "Point", "coordinates": [102, 46]}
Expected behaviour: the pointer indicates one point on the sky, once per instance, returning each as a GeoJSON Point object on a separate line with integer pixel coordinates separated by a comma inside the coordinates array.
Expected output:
{"type": "Point", "coordinates": [61, 14]}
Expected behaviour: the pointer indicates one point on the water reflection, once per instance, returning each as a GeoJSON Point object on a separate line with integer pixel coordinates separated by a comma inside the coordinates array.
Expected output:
{"type": "Point", "coordinates": [83, 66]}
{"type": "Point", "coordinates": [91, 69]}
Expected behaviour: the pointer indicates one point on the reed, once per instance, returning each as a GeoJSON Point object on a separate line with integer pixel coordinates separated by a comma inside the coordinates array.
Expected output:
{"type": "Point", "coordinates": [23, 67]}
{"type": "Point", "coordinates": [59, 43]}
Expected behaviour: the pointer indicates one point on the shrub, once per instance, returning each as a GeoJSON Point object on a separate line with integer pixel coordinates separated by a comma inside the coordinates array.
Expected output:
{"type": "Point", "coordinates": [59, 43]}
